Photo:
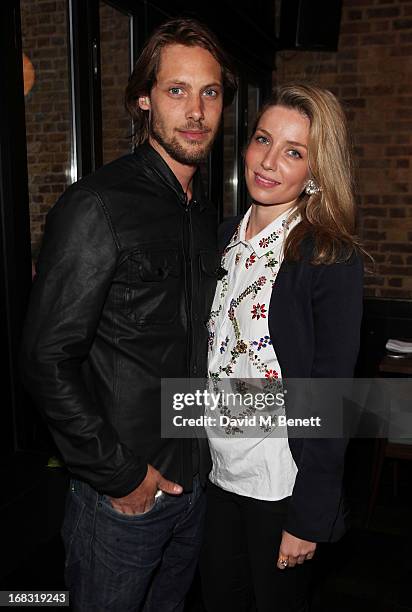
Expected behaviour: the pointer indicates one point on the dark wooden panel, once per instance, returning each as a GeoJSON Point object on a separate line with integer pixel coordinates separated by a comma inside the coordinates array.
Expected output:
{"type": "Point", "coordinates": [310, 24]}
{"type": "Point", "coordinates": [85, 59]}
{"type": "Point", "coordinates": [15, 259]}
{"type": "Point", "coordinates": [382, 319]}
{"type": "Point", "coordinates": [249, 36]}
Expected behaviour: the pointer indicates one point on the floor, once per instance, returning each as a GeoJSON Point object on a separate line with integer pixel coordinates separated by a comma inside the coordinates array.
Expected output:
{"type": "Point", "coordinates": [369, 570]}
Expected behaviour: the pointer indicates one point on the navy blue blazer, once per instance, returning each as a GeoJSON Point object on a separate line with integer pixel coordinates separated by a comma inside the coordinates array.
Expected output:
{"type": "Point", "coordinates": [314, 321]}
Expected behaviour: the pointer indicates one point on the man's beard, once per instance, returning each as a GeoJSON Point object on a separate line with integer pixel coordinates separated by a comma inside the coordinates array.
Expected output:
{"type": "Point", "coordinates": [194, 156]}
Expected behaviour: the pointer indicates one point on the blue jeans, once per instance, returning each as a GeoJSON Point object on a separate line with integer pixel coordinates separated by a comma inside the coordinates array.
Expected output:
{"type": "Point", "coordinates": [131, 563]}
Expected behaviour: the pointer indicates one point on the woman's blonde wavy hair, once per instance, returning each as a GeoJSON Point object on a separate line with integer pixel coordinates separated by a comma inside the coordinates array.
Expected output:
{"type": "Point", "coordinates": [328, 216]}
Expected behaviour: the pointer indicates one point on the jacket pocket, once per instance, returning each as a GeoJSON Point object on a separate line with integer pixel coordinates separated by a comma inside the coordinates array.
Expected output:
{"type": "Point", "coordinates": [155, 286]}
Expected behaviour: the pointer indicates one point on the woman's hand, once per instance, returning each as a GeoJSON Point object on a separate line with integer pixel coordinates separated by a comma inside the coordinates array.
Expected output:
{"type": "Point", "coordinates": [294, 550]}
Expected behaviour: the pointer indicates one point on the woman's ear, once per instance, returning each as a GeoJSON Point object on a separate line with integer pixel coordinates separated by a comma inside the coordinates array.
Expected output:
{"type": "Point", "coordinates": [144, 102]}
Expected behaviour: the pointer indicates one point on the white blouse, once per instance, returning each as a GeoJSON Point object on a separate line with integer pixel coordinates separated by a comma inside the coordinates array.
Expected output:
{"type": "Point", "coordinates": [262, 466]}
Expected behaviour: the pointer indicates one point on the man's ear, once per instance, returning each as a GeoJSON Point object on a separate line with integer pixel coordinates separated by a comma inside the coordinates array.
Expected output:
{"type": "Point", "coordinates": [144, 102]}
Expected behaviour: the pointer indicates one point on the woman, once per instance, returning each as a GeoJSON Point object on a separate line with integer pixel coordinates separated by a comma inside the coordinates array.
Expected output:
{"type": "Point", "coordinates": [290, 306]}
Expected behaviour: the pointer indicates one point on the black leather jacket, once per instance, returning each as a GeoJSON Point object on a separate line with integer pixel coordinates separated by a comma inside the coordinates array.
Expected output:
{"type": "Point", "coordinates": [124, 285]}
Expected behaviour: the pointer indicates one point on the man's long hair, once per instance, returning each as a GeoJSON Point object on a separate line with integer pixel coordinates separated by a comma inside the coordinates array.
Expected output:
{"type": "Point", "coordinates": [188, 32]}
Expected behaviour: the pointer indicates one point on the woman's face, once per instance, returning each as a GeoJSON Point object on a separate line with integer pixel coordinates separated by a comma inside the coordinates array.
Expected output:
{"type": "Point", "coordinates": [276, 160]}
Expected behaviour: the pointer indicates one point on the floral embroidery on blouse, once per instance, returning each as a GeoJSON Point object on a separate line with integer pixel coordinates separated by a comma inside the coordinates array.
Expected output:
{"type": "Point", "coordinates": [224, 282]}
{"type": "Point", "coordinates": [264, 242]}
{"type": "Point", "coordinates": [262, 342]}
{"type": "Point", "coordinates": [241, 386]}
{"type": "Point", "coordinates": [253, 290]}
{"type": "Point", "coordinates": [223, 345]}
{"type": "Point", "coordinates": [241, 347]}
{"type": "Point", "coordinates": [271, 260]}
{"type": "Point", "coordinates": [274, 236]}
{"type": "Point", "coordinates": [258, 310]}
{"type": "Point", "coordinates": [215, 313]}
{"type": "Point", "coordinates": [250, 260]}
{"type": "Point", "coordinates": [240, 344]}
{"type": "Point", "coordinates": [258, 363]}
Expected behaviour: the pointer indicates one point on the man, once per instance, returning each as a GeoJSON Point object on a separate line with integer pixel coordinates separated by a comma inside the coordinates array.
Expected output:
{"type": "Point", "coordinates": [125, 280]}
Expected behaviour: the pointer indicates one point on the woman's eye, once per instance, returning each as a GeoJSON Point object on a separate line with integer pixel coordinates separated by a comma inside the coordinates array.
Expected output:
{"type": "Point", "coordinates": [175, 90]}
{"type": "Point", "coordinates": [210, 93]}
{"type": "Point", "coordinates": [294, 153]}
{"type": "Point", "coordinates": [262, 139]}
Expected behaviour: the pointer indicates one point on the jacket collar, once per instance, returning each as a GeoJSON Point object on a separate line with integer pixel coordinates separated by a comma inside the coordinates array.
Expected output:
{"type": "Point", "coordinates": [160, 167]}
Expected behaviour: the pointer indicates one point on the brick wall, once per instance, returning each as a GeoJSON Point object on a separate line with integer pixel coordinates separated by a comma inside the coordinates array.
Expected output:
{"type": "Point", "coordinates": [44, 41]}
{"type": "Point", "coordinates": [48, 106]}
{"type": "Point", "coordinates": [115, 70]}
{"type": "Point", "coordinates": [372, 75]}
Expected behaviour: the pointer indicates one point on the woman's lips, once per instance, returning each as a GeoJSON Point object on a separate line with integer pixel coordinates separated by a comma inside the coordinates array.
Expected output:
{"type": "Point", "coordinates": [264, 182]}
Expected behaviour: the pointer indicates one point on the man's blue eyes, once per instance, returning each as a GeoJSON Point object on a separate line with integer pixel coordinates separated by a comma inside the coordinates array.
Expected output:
{"type": "Point", "coordinates": [210, 93]}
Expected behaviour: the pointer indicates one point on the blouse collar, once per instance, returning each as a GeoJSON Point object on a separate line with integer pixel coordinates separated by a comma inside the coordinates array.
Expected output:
{"type": "Point", "coordinates": [265, 240]}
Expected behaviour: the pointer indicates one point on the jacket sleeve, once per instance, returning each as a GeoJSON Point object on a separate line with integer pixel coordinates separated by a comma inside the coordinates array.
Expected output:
{"type": "Point", "coordinates": [337, 294]}
{"type": "Point", "coordinates": [74, 273]}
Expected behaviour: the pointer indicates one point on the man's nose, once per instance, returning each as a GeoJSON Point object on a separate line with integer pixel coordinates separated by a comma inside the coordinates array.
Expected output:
{"type": "Point", "coordinates": [195, 108]}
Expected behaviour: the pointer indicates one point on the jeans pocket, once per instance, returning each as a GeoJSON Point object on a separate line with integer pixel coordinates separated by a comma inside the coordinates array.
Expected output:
{"type": "Point", "coordinates": [123, 542]}
{"type": "Point", "coordinates": [107, 507]}
{"type": "Point", "coordinates": [74, 543]}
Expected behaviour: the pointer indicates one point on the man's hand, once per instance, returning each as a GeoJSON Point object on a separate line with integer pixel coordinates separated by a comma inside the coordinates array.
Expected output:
{"type": "Point", "coordinates": [143, 497]}
{"type": "Point", "coordinates": [294, 550]}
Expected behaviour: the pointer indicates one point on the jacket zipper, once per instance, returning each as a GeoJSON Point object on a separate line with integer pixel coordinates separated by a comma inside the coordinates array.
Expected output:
{"type": "Point", "coordinates": [188, 263]}
{"type": "Point", "coordinates": [188, 279]}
